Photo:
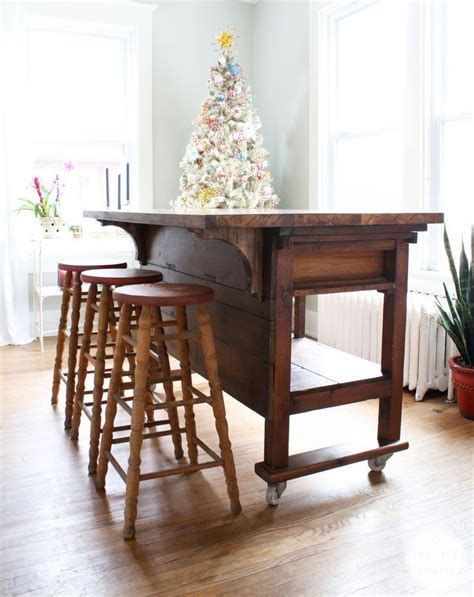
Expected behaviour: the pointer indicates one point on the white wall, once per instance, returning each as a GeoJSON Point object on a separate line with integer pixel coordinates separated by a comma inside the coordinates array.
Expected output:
{"type": "Point", "coordinates": [183, 52]}
{"type": "Point", "coordinates": [273, 50]}
{"type": "Point", "coordinates": [281, 94]}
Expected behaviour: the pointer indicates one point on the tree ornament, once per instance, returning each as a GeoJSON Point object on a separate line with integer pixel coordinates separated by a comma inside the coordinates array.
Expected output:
{"type": "Point", "coordinates": [234, 69]}
{"type": "Point", "coordinates": [206, 195]}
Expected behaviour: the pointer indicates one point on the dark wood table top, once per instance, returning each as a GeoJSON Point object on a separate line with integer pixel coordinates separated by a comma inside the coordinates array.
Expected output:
{"type": "Point", "coordinates": [277, 218]}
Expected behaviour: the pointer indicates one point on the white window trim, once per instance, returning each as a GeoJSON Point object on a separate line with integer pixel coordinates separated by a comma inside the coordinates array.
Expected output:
{"type": "Point", "coordinates": [321, 78]}
{"type": "Point", "coordinates": [417, 179]}
{"type": "Point", "coordinates": [138, 18]}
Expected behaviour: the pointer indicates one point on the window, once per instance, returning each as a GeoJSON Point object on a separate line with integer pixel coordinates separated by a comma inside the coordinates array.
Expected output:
{"type": "Point", "coordinates": [450, 68]}
{"type": "Point", "coordinates": [83, 108]}
{"type": "Point", "coordinates": [395, 113]}
{"type": "Point", "coordinates": [365, 133]}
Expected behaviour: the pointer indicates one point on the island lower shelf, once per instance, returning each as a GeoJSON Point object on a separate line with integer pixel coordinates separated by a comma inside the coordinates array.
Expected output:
{"type": "Point", "coordinates": [324, 459]}
{"type": "Point", "coordinates": [322, 377]}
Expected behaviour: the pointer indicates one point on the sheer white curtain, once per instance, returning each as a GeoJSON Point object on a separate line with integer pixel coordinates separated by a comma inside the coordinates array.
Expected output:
{"type": "Point", "coordinates": [15, 172]}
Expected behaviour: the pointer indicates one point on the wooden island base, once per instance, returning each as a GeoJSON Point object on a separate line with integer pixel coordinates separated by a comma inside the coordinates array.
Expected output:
{"type": "Point", "coordinates": [323, 377]}
{"type": "Point", "coordinates": [258, 264]}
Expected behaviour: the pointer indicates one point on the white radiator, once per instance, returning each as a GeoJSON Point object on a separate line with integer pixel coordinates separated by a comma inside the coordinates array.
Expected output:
{"type": "Point", "coordinates": [352, 322]}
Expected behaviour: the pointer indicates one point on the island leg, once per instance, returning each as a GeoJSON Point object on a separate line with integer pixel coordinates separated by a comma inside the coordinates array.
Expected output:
{"type": "Point", "coordinates": [277, 422]}
{"type": "Point", "coordinates": [393, 345]}
{"type": "Point", "coordinates": [300, 317]}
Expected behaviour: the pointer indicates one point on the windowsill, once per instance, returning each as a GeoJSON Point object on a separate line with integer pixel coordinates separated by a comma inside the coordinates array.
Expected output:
{"type": "Point", "coordinates": [429, 282]}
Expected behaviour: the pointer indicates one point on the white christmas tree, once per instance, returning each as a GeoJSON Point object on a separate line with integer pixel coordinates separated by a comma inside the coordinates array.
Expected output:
{"type": "Point", "coordinates": [225, 165]}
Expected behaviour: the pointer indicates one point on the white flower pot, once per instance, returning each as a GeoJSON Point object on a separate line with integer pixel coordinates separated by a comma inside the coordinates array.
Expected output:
{"type": "Point", "coordinates": [52, 227]}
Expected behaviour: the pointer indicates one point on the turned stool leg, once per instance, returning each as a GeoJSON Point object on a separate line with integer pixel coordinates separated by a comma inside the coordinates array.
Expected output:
{"type": "Point", "coordinates": [99, 368]}
{"type": "Point", "coordinates": [83, 362]}
{"type": "Point", "coordinates": [186, 384]}
{"type": "Point", "coordinates": [114, 389]}
{"type": "Point", "coordinates": [138, 420]}
{"type": "Point", "coordinates": [61, 337]}
{"type": "Point", "coordinates": [73, 343]}
{"type": "Point", "coordinates": [168, 388]}
{"type": "Point", "coordinates": [217, 402]}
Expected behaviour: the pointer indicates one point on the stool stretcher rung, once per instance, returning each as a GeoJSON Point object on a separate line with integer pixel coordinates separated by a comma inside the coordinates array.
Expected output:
{"type": "Point", "coordinates": [179, 336]}
{"type": "Point", "coordinates": [200, 394]}
{"type": "Point", "coordinates": [119, 400]}
{"type": "Point", "coordinates": [67, 333]}
{"type": "Point", "coordinates": [165, 378]}
{"type": "Point", "coordinates": [108, 357]}
{"type": "Point", "coordinates": [162, 324]}
{"type": "Point", "coordinates": [122, 400]}
{"type": "Point", "coordinates": [176, 403]}
{"type": "Point", "coordinates": [164, 338]}
{"type": "Point", "coordinates": [83, 293]}
{"type": "Point", "coordinates": [107, 373]}
{"type": "Point", "coordinates": [147, 424]}
{"type": "Point", "coordinates": [207, 449]}
{"type": "Point", "coordinates": [156, 357]}
{"type": "Point", "coordinates": [89, 405]}
{"type": "Point", "coordinates": [187, 468]}
{"type": "Point", "coordinates": [114, 462]}
{"type": "Point", "coordinates": [129, 340]}
{"type": "Point", "coordinates": [151, 435]}
{"type": "Point", "coordinates": [108, 345]}
{"type": "Point", "coordinates": [128, 385]}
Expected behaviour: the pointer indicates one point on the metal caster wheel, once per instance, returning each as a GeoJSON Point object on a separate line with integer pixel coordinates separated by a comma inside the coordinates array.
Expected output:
{"type": "Point", "coordinates": [378, 464]}
{"type": "Point", "coordinates": [274, 493]}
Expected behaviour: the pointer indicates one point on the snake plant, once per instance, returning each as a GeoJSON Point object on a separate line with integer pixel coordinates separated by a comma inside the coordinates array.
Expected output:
{"type": "Point", "coordinates": [458, 318]}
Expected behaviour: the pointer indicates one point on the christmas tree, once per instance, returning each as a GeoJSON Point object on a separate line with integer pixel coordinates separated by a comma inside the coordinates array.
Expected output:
{"type": "Point", "coordinates": [225, 165]}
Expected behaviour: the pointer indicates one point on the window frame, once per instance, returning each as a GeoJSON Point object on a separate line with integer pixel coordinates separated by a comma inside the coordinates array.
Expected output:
{"type": "Point", "coordinates": [327, 17]}
{"type": "Point", "coordinates": [434, 91]}
{"type": "Point", "coordinates": [134, 20]}
{"type": "Point", "coordinates": [421, 159]}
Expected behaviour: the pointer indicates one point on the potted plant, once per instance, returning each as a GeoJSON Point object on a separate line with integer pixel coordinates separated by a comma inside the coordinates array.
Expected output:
{"type": "Point", "coordinates": [45, 207]}
{"type": "Point", "coordinates": [458, 321]}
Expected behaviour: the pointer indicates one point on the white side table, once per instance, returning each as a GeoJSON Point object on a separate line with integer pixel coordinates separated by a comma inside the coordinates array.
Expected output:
{"type": "Point", "coordinates": [41, 291]}
{"type": "Point", "coordinates": [47, 251]}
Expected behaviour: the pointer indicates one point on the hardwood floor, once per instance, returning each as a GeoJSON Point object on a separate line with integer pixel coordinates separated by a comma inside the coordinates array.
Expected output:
{"type": "Point", "coordinates": [342, 532]}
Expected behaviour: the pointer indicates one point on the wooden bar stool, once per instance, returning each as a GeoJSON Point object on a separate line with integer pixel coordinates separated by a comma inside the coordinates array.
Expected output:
{"type": "Point", "coordinates": [150, 340]}
{"type": "Point", "coordinates": [106, 334]}
{"type": "Point", "coordinates": [72, 288]}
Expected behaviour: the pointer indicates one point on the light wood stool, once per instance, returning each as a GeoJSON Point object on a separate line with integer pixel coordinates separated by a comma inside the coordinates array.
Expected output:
{"type": "Point", "coordinates": [72, 288]}
{"type": "Point", "coordinates": [106, 334]}
{"type": "Point", "coordinates": [151, 339]}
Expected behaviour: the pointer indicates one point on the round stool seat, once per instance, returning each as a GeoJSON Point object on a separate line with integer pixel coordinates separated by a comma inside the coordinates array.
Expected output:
{"type": "Point", "coordinates": [81, 265]}
{"type": "Point", "coordinates": [121, 277]}
{"type": "Point", "coordinates": [164, 294]}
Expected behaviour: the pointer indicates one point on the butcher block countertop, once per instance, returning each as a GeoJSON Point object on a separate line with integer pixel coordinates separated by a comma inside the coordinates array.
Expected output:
{"type": "Point", "coordinates": [277, 218]}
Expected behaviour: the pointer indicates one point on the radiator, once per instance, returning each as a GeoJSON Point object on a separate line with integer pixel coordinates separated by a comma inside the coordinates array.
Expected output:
{"type": "Point", "coordinates": [352, 322]}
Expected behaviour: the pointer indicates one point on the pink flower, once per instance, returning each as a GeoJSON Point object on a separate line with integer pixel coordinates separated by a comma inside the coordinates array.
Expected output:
{"type": "Point", "coordinates": [69, 166]}
{"type": "Point", "coordinates": [37, 187]}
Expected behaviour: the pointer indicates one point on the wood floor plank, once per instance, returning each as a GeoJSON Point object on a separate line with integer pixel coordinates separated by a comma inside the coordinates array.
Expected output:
{"type": "Point", "coordinates": [340, 532]}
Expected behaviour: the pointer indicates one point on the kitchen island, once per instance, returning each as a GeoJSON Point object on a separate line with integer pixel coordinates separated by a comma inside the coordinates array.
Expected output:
{"type": "Point", "coordinates": [259, 263]}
